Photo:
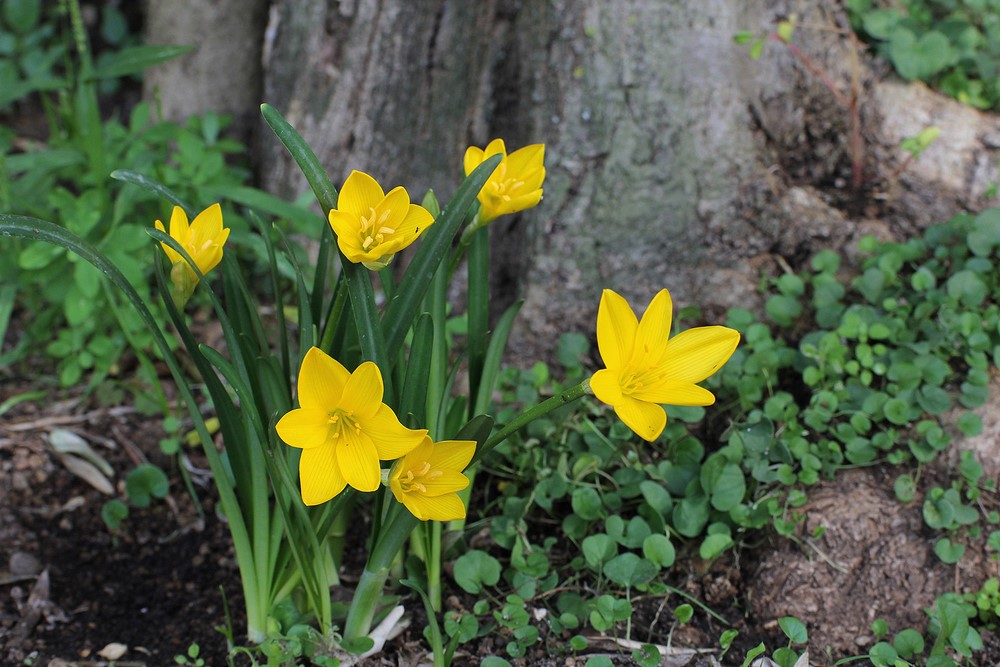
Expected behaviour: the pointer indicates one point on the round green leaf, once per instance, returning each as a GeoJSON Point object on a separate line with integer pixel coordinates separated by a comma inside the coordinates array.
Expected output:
{"type": "Point", "coordinates": [113, 513]}
{"type": "Point", "coordinates": [794, 629]}
{"type": "Point", "coordinates": [586, 503]}
{"type": "Point", "coordinates": [908, 643]}
{"type": "Point", "coordinates": [713, 545]}
{"type": "Point", "coordinates": [144, 483]}
{"type": "Point", "coordinates": [658, 549]}
{"type": "Point", "coordinates": [475, 568]}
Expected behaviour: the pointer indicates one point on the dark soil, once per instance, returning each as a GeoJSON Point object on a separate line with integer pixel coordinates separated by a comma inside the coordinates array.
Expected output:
{"type": "Point", "coordinates": [155, 586]}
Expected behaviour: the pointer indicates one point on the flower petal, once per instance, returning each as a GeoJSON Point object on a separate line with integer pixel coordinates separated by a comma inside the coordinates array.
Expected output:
{"type": "Point", "coordinates": [616, 329]}
{"type": "Point", "coordinates": [695, 354]}
{"type": "Point", "coordinates": [321, 381]}
{"type": "Point", "coordinates": [451, 454]}
{"type": "Point", "coordinates": [645, 419]}
{"type": "Point", "coordinates": [448, 507]}
{"type": "Point", "coordinates": [319, 475]}
{"type": "Point", "coordinates": [521, 161]}
{"type": "Point", "coordinates": [675, 392]}
{"type": "Point", "coordinates": [172, 254]}
{"type": "Point", "coordinates": [495, 147]}
{"type": "Point", "coordinates": [206, 227]}
{"type": "Point", "coordinates": [179, 228]}
{"type": "Point", "coordinates": [515, 204]}
{"type": "Point", "coordinates": [448, 481]}
{"type": "Point", "coordinates": [397, 203]}
{"type": "Point", "coordinates": [392, 439]}
{"type": "Point", "coordinates": [474, 157]}
{"type": "Point", "coordinates": [358, 460]}
{"type": "Point", "coordinates": [606, 385]}
{"type": "Point", "coordinates": [416, 222]}
{"type": "Point", "coordinates": [304, 428]}
{"type": "Point", "coordinates": [360, 194]}
{"type": "Point", "coordinates": [653, 332]}
{"type": "Point", "coordinates": [362, 396]}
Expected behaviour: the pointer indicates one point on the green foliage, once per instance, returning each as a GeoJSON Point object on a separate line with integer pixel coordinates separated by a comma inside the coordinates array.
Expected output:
{"type": "Point", "coordinates": [953, 45]}
{"type": "Point", "coordinates": [843, 372]}
{"type": "Point", "coordinates": [146, 482]}
{"type": "Point", "coordinates": [65, 178]}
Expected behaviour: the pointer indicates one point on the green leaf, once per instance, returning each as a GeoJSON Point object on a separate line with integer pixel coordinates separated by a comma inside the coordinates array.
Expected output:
{"type": "Point", "coordinates": [880, 22]}
{"type": "Point", "coordinates": [794, 629]}
{"type": "Point", "coordinates": [684, 613]}
{"type": "Point", "coordinates": [753, 653]}
{"type": "Point", "coordinates": [897, 411]}
{"type": "Point", "coordinates": [434, 247]}
{"type": "Point", "coordinates": [475, 568]}
{"type": "Point", "coordinates": [919, 58]}
{"type": "Point", "coordinates": [586, 503]}
{"type": "Point", "coordinates": [658, 549]}
{"type": "Point", "coordinates": [968, 288]}
{"type": "Point", "coordinates": [883, 654]}
{"type": "Point", "coordinates": [948, 551]}
{"type": "Point", "coordinates": [157, 188]}
{"type": "Point", "coordinates": [905, 489]}
{"type": "Point", "coordinates": [144, 483]}
{"type": "Point", "coordinates": [22, 16]}
{"type": "Point", "coordinates": [134, 59]}
{"type": "Point", "coordinates": [628, 570]}
{"type": "Point", "coordinates": [690, 515]}
{"type": "Point", "coordinates": [724, 482]}
{"type": "Point", "coordinates": [969, 424]}
{"type": "Point", "coordinates": [647, 655]}
{"type": "Point", "coordinates": [783, 309]}
{"type": "Point", "coordinates": [713, 546]}
{"type": "Point", "coordinates": [657, 497]}
{"type": "Point", "coordinates": [985, 233]}
{"type": "Point", "coordinates": [113, 513]}
{"type": "Point", "coordinates": [908, 643]}
{"type": "Point", "coordinates": [599, 549]}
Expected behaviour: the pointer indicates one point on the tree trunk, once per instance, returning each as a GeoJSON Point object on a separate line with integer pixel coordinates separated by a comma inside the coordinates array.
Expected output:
{"type": "Point", "coordinates": [673, 159]}
{"type": "Point", "coordinates": [223, 73]}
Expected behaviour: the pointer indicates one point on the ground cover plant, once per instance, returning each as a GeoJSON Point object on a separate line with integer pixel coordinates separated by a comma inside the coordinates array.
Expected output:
{"type": "Point", "coordinates": [574, 539]}
{"type": "Point", "coordinates": [949, 44]}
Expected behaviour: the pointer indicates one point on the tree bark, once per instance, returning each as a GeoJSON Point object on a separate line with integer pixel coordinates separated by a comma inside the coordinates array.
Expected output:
{"type": "Point", "coordinates": [673, 159]}
{"type": "Point", "coordinates": [223, 73]}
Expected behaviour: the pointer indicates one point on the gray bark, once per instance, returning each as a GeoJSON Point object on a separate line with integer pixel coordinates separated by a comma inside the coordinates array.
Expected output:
{"type": "Point", "coordinates": [673, 159]}
{"type": "Point", "coordinates": [223, 73]}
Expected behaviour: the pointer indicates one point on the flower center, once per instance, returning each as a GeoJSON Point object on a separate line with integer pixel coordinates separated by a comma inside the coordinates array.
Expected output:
{"type": "Point", "coordinates": [505, 188]}
{"type": "Point", "coordinates": [414, 478]}
{"type": "Point", "coordinates": [339, 421]}
{"type": "Point", "coordinates": [374, 229]}
{"type": "Point", "coordinates": [635, 380]}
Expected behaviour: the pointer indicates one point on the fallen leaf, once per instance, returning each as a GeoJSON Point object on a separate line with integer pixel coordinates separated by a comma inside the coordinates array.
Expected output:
{"type": "Point", "coordinates": [113, 651]}
{"type": "Point", "coordinates": [68, 442]}
{"type": "Point", "coordinates": [88, 472]}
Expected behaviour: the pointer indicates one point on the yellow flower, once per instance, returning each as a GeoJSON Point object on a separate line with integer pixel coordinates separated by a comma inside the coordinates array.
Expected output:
{"type": "Point", "coordinates": [202, 240]}
{"type": "Point", "coordinates": [516, 183]}
{"type": "Point", "coordinates": [427, 479]}
{"type": "Point", "coordinates": [645, 369]}
{"type": "Point", "coordinates": [372, 226]}
{"type": "Point", "coordinates": [342, 427]}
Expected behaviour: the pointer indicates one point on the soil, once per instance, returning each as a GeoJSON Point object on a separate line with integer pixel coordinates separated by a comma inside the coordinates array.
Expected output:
{"type": "Point", "coordinates": [73, 590]}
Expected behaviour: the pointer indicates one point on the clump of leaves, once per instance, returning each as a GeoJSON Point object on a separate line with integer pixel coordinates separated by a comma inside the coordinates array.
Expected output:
{"type": "Point", "coordinates": [843, 371]}
{"type": "Point", "coordinates": [953, 45]}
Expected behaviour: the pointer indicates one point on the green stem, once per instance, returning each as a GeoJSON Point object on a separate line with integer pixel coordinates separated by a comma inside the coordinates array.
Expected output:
{"type": "Point", "coordinates": [478, 310]}
{"type": "Point", "coordinates": [530, 415]}
{"type": "Point", "coordinates": [434, 566]}
{"type": "Point", "coordinates": [395, 532]}
{"type": "Point", "coordinates": [438, 378]}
